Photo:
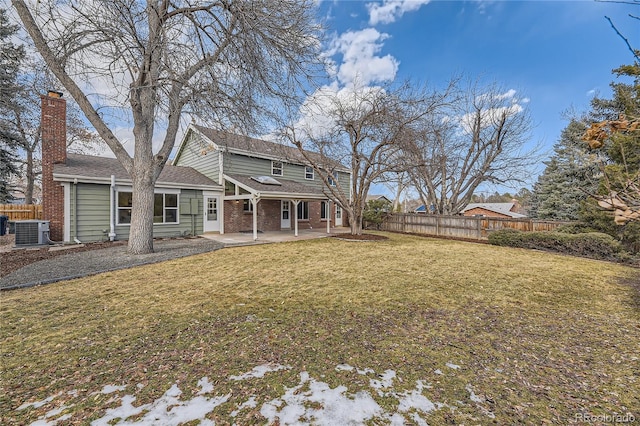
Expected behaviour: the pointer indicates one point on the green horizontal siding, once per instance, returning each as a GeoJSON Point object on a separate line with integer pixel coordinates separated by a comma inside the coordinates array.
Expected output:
{"type": "Point", "coordinates": [93, 215]}
{"type": "Point", "coordinates": [198, 154]}
{"type": "Point", "coordinates": [252, 166]}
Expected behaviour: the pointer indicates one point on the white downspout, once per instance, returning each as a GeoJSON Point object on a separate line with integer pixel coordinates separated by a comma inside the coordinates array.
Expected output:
{"type": "Point", "coordinates": [112, 209]}
{"type": "Point", "coordinates": [75, 212]}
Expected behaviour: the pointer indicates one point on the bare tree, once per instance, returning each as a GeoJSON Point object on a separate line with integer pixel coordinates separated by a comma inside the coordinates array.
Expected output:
{"type": "Point", "coordinates": [479, 138]}
{"type": "Point", "coordinates": [364, 129]}
{"type": "Point", "coordinates": [223, 61]}
{"type": "Point", "coordinates": [24, 120]}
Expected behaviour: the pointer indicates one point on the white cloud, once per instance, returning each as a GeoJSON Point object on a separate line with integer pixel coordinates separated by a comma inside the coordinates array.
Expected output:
{"type": "Point", "coordinates": [360, 61]}
{"type": "Point", "coordinates": [390, 10]}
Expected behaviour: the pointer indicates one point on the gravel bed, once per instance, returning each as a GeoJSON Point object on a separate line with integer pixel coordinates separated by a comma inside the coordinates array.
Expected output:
{"type": "Point", "coordinates": [81, 264]}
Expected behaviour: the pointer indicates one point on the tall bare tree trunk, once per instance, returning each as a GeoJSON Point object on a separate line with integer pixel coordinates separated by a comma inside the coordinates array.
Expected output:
{"type": "Point", "coordinates": [31, 177]}
{"type": "Point", "coordinates": [141, 229]}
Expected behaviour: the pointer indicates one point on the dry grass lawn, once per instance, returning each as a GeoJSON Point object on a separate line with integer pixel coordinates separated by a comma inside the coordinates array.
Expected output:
{"type": "Point", "coordinates": [537, 337]}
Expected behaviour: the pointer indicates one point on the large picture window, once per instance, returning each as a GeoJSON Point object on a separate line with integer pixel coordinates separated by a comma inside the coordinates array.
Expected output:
{"type": "Point", "coordinates": [165, 208]}
{"type": "Point", "coordinates": [303, 210]}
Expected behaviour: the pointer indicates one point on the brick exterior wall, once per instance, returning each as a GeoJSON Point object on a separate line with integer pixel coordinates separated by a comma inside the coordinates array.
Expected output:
{"type": "Point", "coordinates": [54, 151]}
{"type": "Point", "coordinates": [236, 220]}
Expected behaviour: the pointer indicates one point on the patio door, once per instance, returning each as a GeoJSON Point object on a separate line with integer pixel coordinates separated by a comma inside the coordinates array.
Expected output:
{"type": "Point", "coordinates": [211, 216]}
{"type": "Point", "coordinates": [285, 215]}
{"type": "Point", "coordinates": [338, 215]}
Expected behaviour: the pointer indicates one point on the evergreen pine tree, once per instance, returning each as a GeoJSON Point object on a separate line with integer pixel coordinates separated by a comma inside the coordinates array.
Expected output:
{"type": "Point", "coordinates": [571, 174]}
{"type": "Point", "coordinates": [10, 57]}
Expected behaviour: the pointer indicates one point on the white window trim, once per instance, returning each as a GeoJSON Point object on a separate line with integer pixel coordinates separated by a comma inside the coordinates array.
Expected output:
{"type": "Point", "coordinates": [306, 173]}
{"type": "Point", "coordinates": [324, 208]}
{"type": "Point", "coordinates": [162, 191]}
{"type": "Point", "coordinates": [274, 168]}
{"type": "Point", "coordinates": [250, 204]}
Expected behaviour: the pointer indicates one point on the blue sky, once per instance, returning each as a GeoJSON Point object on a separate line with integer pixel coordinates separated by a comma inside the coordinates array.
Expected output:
{"type": "Point", "coordinates": [556, 53]}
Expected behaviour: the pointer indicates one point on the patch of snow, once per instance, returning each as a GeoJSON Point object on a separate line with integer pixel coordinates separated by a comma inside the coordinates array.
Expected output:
{"type": "Point", "coordinates": [205, 386]}
{"type": "Point", "coordinates": [438, 371]}
{"type": "Point", "coordinates": [250, 403]}
{"type": "Point", "coordinates": [56, 411]}
{"type": "Point", "coordinates": [452, 366]}
{"type": "Point", "coordinates": [365, 371]}
{"type": "Point", "coordinates": [335, 405]}
{"type": "Point", "coordinates": [38, 404]}
{"type": "Point", "coordinates": [415, 400]}
{"type": "Point", "coordinates": [386, 380]}
{"type": "Point", "coordinates": [419, 420]}
{"type": "Point", "coordinates": [344, 367]}
{"type": "Point", "coordinates": [472, 395]}
{"type": "Point", "coordinates": [168, 410]}
{"type": "Point", "coordinates": [310, 402]}
{"type": "Point", "coordinates": [260, 371]}
{"type": "Point", "coordinates": [107, 389]}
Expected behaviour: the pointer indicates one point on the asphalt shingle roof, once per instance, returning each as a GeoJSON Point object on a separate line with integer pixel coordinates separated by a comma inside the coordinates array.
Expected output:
{"type": "Point", "coordinates": [259, 146]}
{"type": "Point", "coordinates": [286, 186]}
{"type": "Point", "coordinates": [90, 166]}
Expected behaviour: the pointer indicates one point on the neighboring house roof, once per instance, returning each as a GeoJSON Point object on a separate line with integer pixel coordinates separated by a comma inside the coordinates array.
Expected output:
{"type": "Point", "coordinates": [89, 168]}
{"type": "Point", "coordinates": [287, 188]}
{"type": "Point", "coordinates": [374, 197]}
{"type": "Point", "coordinates": [501, 208]}
{"type": "Point", "coordinates": [246, 145]}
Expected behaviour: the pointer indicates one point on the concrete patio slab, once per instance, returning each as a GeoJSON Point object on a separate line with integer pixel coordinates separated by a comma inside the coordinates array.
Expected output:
{"type": "Point", "coordinates": [246, 238]}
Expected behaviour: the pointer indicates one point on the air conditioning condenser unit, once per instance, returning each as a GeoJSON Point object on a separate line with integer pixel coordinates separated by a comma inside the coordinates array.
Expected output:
{"type": "Point", "coordinates": [32, 232]}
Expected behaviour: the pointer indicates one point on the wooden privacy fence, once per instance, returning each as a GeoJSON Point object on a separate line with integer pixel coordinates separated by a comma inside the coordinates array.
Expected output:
{"type": "Point", "coordinates": [475, 228]}
{"type": "Point", "coordinates": [21, 211]}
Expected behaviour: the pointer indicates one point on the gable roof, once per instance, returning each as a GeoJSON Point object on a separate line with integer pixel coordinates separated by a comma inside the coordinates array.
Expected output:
{"type": "Point", "coordinates": [253, 147]}
{"type": "Point", "coordinates": [90, 168]}
{"type": "Point", "coordinates": [501, 208]}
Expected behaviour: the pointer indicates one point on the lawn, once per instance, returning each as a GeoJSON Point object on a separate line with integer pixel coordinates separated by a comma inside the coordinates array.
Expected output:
{"type": "Point", "coordinates": [326, 331]}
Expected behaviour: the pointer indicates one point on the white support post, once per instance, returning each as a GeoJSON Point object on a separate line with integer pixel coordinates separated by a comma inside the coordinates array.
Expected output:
{"type": "Point", "coordinates": [328, 215]}
{"type": "Point", "coordinates": [221, 213]}
{"type": "Point", "coordinates": [295, 216]}
{"type": "Point", "coordinates": [254, 204]}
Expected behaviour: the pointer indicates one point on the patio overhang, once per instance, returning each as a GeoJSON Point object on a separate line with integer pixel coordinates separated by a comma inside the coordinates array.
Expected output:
{"type": "Point", "coordinates": [287, 190]}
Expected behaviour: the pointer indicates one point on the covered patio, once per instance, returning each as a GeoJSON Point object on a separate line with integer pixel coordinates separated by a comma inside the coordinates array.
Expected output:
{"type": "Point", "coordinates": [256, 189]}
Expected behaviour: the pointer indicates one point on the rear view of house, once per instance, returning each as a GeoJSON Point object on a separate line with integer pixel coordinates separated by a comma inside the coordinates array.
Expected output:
{"type": "Point", "coordinates": [267, 186]}
{"type": "Point", "coordinates": [218, 182]}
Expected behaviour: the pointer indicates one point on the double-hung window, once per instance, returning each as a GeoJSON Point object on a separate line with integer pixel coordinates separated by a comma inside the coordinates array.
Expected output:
{"type": "Point", "coordinates": [276, 168]}
{"type": "Point", "coordinates": [308, 173]}
{"type": "Point", "coordinates": [333, 178]}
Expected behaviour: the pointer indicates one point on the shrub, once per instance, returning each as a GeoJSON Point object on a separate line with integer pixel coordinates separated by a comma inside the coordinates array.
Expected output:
{"type": "Point", "coordinates": [594, 245]}
{"type": "Point", "coordinates": [575, 228]}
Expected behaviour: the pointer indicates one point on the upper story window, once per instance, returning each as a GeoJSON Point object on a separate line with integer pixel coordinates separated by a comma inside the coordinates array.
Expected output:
{"type": "Point", "coordinates": [333, 178]}
{"type": "Point", "coordinates": [308, 173]}
{"type": "Point", "coordinates": [276, 168]}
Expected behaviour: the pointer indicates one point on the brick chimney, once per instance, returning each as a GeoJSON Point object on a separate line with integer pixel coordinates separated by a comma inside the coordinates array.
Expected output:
{"type": "Point", "coordinates": [54, 151]}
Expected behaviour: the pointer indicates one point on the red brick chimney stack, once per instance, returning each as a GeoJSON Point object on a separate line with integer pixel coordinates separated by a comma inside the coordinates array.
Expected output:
{"type": "Point", "coordinates": [54, 151]}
